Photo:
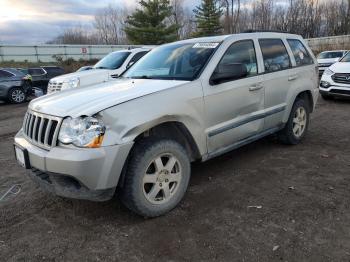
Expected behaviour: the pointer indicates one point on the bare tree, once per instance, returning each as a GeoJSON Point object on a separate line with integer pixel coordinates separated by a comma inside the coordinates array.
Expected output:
{"type": "Point", "coordinates": [76, 35]}
{"type": "Point", "coordinates": [109, 23]}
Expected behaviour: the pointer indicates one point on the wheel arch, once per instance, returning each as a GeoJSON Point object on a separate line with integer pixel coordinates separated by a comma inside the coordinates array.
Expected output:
{"type": "Point", "coordinates": [174, 130]}
{"type": "Point", "coordinates": [301, 94]}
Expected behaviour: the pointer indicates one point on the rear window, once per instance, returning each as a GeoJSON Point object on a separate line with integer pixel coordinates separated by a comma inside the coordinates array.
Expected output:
{"type": "Point", "coordinates": [275, 55]}
{"type": "Point", "coordinates": [301, 55]}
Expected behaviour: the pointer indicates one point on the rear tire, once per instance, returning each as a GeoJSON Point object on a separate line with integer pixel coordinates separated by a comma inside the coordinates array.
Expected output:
{"type": "Point", "coordinates": [297, 125]}
{"type": "Point", "coordinates": [16, 95]}
{"type": "Point", "coordinates": [156, 178]}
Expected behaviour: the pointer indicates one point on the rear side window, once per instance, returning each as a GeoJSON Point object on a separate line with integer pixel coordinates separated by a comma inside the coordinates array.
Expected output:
{"type": "Point", "coordinates": [275, 55]}
{"type": "Point", "coordinates": [54, 70]}
{"type": "Point", "coordinates": [36, 71]}
{"type": "Point", "coordinates": [5, 74]}
{"type": "Point", "coordinates": [242, 52]}
{"type": "Point", "coordinates": [301, 55]}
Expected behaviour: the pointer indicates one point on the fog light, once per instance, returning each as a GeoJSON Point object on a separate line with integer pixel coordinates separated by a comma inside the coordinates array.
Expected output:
{"type": "Point", "coordinates": [325, 84]}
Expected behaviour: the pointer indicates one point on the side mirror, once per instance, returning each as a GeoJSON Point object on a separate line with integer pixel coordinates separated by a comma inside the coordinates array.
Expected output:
{"type": "Point", "coordinates": [228, 72]}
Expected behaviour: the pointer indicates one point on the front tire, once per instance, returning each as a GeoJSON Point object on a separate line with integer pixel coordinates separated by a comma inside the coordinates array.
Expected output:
{"type": "Point", "coordinates": [297, 125]}
{"type": "Point", "coordinates": [16, 95]}
{"type": "Point", "coordinates": [157, 177]}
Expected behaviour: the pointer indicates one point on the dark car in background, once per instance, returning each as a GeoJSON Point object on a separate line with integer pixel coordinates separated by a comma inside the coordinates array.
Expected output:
{"type": "Point", "coordinates": [14, 85]}
{"type": "Point", "coordinates": [41, 76]}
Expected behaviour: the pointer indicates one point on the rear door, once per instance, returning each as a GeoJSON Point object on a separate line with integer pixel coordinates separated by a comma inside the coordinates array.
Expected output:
{"type": "Point", "coordinates": [38, 77]}
{"type": "Point", "coordinates": [234, 109]}
{"type": "Point", "coordinates": [276, 78]}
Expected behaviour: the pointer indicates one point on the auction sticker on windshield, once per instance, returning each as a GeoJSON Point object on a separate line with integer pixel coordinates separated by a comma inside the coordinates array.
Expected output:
{"type": "Point", "coordinates": [206, 45]}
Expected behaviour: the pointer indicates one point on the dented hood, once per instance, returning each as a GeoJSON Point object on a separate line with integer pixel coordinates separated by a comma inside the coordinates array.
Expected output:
{"type": "Point", "coordinates": [90, 100]}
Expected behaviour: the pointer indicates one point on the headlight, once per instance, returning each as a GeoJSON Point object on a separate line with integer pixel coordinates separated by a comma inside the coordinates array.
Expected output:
{"type": "Point", "coordinates": [82, 132]}
{"type": "Point", "coordinates": [328, 72]}
{"type": "Point", "coordinates": [72, 83]}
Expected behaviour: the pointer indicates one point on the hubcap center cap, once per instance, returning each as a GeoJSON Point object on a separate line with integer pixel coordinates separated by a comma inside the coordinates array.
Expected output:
{"type": "Point", "coordinates": [162, 176]}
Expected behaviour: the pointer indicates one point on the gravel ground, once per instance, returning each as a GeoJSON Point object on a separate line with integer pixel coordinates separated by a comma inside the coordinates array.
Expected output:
{"type": "Point", "coordinates": [262, 202]}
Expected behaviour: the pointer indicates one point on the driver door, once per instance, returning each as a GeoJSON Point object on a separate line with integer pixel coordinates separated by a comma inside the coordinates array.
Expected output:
{"type": "Point", "coordinates": [235, 109]}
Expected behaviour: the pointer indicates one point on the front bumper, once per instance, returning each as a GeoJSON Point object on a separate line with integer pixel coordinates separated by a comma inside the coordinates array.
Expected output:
{"type": "Point", "coordinates": [81, 173]}
{"type": "Point", "coordinates": [334, 89]}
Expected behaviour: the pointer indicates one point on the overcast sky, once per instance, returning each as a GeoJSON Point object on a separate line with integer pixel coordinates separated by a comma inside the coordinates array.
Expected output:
{"type": "Point", "coordinates": [37, 21]}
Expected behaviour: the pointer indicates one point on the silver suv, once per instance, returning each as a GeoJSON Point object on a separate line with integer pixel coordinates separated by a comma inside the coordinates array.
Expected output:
{"type": "Point", "coordinates": [185, 101]}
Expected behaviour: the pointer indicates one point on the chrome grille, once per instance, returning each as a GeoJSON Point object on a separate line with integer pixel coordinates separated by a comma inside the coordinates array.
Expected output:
{"type": "Point", "coordinates": [341, 78]}
{"type": "Point", "coordinates": [54, 86]}
{"type": "Point", "coordinates": [41, 130]}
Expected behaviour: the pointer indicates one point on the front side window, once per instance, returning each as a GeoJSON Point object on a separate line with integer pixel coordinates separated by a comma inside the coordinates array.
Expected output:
{"type": "Point", "coordinates": [181, 61]}
{"type": "Point", "coordinates": [346, 58]}
{"type": "Point", "coordinates": [275, 55]}
{"type": "Point", "coordinates": [112, 61]}
{"type": "Point", "coordinates": [301, 55]}
{"type": "Point", "coordinates": [241, 53]}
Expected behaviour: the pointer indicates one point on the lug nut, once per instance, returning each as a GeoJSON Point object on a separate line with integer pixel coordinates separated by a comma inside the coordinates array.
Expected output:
{"type": "Point", "coordinates": [166, 180]}
{"type": "Point", "coordinates": [160, 184]}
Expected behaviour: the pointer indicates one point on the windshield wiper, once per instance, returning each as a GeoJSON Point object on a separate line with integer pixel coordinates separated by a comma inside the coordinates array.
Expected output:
{"type": "Point", "coordinates": [100, 67]}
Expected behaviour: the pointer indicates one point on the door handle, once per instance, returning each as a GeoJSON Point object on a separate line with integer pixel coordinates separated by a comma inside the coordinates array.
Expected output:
{"type": "Point", "coordinates": [256, 87]}
{"type": "Point", "coordinates": [293, 77]}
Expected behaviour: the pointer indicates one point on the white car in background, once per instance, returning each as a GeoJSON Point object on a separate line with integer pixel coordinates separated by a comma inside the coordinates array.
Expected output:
{"type": "Point", "coordinates": [335, 81]}
{"type": "Point", "coordinates": [109, 67]}
{"type": "Point", "coordinates": [328, 58]}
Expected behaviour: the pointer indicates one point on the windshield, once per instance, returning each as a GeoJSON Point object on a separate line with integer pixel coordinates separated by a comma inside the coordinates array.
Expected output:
{"type": "Point", "coordinates": [176, 62]}
{"type": "Point", "coordinates": [112, 61]}
{"type": "Point", "coordinates": [346, 58]}
{"type": "Point", "coordinates": [326, 55]}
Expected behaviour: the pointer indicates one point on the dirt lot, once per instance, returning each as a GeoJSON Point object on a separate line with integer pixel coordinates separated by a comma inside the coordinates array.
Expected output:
{"type": "Point", "coordinates": [303, 191]}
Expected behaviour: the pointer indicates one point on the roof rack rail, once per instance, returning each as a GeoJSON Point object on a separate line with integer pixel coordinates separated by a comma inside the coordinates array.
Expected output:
{"type": "Point", "coordinates": [264, 31]}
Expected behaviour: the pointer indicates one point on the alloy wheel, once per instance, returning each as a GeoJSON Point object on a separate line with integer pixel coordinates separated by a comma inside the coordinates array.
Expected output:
{"type": "Point", "coordinates": [162, 179]}
{"type": "Point", "coordinates": [18, 96]}
{"type": "Point", "coordinates": [299, 122]}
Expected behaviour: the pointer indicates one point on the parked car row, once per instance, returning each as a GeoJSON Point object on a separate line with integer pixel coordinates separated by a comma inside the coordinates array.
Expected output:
{"type": "Point", "coordinates": [17, 83]}
{"type": "Point", "coordinates": [110, 67]}
{"type": "Point", "coordinates": [14, 85]}
{"type": "Point", "coordinates": [327, 58]}
{"type": "Point", "coordinates": [335, 81]}
{"type": "Point", "coordinates": [50, 79]}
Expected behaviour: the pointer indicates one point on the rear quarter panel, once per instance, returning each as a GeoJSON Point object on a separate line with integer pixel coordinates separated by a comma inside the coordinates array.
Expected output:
{"type": "Point", "coordinates": [307, 80]}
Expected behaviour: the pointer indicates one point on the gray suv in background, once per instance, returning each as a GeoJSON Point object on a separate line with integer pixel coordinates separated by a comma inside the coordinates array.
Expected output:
{"type": "Point", "coordinates": [186, 101]}
{"type": "Point", "coordinates": [14, 85]}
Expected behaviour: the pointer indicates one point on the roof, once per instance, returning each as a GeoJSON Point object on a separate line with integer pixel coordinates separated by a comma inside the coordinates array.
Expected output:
{"type": "Point", "coordinates": [221, 38]}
